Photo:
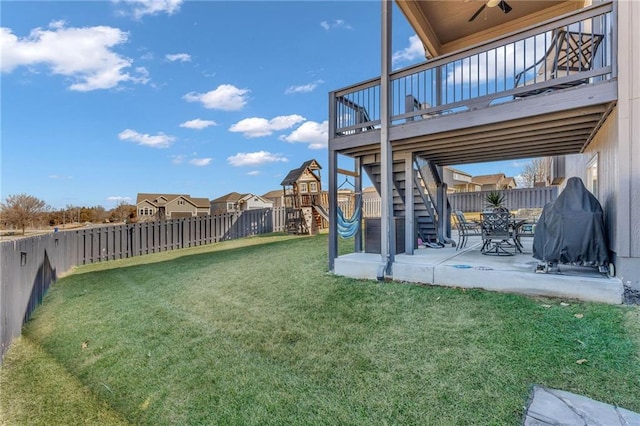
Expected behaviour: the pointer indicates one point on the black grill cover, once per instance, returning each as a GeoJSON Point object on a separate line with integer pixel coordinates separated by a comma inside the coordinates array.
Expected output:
{"type": "Point", "coordinates": [571, 229]}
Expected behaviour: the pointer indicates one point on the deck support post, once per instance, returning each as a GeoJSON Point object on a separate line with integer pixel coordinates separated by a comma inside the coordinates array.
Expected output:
{"type": "Point", "coordinates": [358, 199]}
{"type": "Point", "coordinates": [387, 225]}
{"type": "Point", "coordinates": [333, 208]}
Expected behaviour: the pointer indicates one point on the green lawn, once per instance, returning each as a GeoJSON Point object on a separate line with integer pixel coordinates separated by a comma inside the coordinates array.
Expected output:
{"type": "Point", "coordinates": [257, 332]}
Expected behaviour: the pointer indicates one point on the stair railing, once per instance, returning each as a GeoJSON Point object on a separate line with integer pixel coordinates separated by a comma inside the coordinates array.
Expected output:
{"type": "Point", "coordinates": [433, 181]}
{"type": "Point", "coordinates": [427, 196]}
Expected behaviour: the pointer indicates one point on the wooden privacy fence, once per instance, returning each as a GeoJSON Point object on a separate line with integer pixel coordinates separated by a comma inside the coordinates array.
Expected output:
{"type": "Point", "coordinates": [28, 266]}
{"type": "Point", "coordinates": [524, 198]}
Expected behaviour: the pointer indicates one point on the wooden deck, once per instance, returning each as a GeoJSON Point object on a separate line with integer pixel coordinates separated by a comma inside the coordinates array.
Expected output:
{"type": "Point", "coordinates": [468, 107]}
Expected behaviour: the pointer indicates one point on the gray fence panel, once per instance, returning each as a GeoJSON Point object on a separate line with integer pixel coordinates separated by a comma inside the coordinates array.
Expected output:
{"type": "Point", "coordinates": [514, 198]}
{"type": "Point", "coordinates": [29, 265]}
{"type": "Point", "coordinates": [27, 268]}
{"type": "Point", "coordinates": [280, 219]}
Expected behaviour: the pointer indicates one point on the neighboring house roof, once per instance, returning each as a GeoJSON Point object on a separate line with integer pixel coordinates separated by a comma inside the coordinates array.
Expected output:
{"type": "Point", "coordinates": [201, 202]}
{"type": "Point", "coordinates": [511, 181]}
{"type": "Point", "coordinates": [163, 199]}
{"type": "Point", "coordinates": [229, 198]}
{"type": "Point", "coordinates": [498, 179]}
{"type": "Point", "coordinates": [249, 195]}
{"type": "Point", "coordinates": [293, 176]}
{"type": "Point", "coordinates": [460, 172]}
{"type": "Point", "coordinates": [234, 197]}
{"type": "Point", "coordinates": [489, 179]}
{"type": "Point", "coordinates": [276, 193]}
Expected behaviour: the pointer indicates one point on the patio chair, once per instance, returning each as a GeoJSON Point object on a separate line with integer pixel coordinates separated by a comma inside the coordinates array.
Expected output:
{"type": "Point", "coordinates": [530, 217]}
{"type": "Point", "coordinates": [466, 228]}
{"type": "Point", "coordinates": [497, 234]}
{"type": "Point", "coordinates": [570, 52]}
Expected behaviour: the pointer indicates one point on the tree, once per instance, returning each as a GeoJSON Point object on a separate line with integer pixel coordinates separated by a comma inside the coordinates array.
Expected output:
{"type": "Point", "coordinates": [122, 212]}
{"type": "Point", "coordinates": [21, 210]}
{"type": "Point", "coordinates": [538, 170]}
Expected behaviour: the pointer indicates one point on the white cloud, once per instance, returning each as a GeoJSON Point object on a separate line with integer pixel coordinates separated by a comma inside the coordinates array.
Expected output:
{"type": "Point", "coordinates": [335, 24]}
{"type": "Point", "coordinates": [305, 88]}
{"type": "Point", "coordinates": [158, 141]}
{"type": "Point", "coordinates": [225, 97]}
{"type": "Point", "coordinates": [201, 161]}
{"type": "Point", "coordinates": [414, 52]}
{"type": "Point", "coordinates": [83, 54]}
{"type": "Point", "coordinates": [141, 8]}
{"type": "Point", "coordinates": [255, 158]}
{"type": "Point", "coordinates": [254, 173]}
{"type": "Point", "coordinates": [59, 177]}
{"type": "Point", "coordinates": [198, 124]}
{"type": "Point", "coordinates": [520, 164]}
{"type": "Point", "coordinates": [182, 57]}
{"type": "Point", "coordinates": [118, 199]}
{"type": "Point", "coordinates": [255, 127]}
{"type": "Point", "coordinates": [178, 159]}
{"type": "Point", "coordinates": [315, 134]}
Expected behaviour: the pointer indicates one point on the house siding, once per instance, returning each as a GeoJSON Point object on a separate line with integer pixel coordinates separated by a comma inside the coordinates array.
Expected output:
{"type": "Point", "coordinates": [604, 145]}
{"type": "Point", "coordinates": [629, 141]}
{"type": "Point", "coordinates": [617, 144]}
{"type": "Point", "coordinates": [252, 204]}
{"type": "Point", "coordinates": [179, 210]}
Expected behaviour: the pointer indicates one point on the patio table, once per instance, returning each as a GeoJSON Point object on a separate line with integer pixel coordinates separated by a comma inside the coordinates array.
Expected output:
{"type": "Point", "coordinates": [500, 229]}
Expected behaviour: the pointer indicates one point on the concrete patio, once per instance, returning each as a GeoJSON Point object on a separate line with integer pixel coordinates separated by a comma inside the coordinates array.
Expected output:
{"type": "Point", "coordinates": [469, 268]}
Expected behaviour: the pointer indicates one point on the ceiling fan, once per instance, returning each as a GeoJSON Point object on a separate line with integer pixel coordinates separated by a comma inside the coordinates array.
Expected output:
{"type": "Point", "coordinates": [502, 5]}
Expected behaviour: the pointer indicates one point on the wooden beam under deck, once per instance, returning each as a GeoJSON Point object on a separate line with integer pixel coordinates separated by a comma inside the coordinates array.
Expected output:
{"type": "Point", "coordinates": [512, 156]}
{"type": "Point", "coordinates": [480, 156]}
{"type": "Point", "coordinates": [520, 129]}
{"type": "Point", "coordinates": [507, 144]}
{"type": "Point", "coordinates": [478, 140]}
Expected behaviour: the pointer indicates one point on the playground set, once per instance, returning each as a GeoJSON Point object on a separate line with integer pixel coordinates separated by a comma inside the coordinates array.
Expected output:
{"type": "Point", "coordinates": [307, 205]}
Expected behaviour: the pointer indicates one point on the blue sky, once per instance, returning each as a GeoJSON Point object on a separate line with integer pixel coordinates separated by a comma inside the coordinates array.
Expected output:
{"type": "Point", "coordinates": [104, 99]}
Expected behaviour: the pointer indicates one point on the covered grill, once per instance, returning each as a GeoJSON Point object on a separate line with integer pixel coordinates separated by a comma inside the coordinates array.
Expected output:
{"type": "Point", "coordinates": [571, 230]}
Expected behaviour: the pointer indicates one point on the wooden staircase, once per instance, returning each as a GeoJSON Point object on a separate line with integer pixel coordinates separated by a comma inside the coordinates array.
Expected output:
{"type": "Point", "coordinates": [425, 225]}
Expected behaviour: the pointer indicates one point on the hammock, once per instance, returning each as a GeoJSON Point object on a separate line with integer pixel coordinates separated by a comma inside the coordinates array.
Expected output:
{"type": "Point", "coordinates": [347, 228]}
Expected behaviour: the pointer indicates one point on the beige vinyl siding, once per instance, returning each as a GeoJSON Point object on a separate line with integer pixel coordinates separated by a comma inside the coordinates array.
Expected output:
{"type": "Point", "coordinates": [605, 146]}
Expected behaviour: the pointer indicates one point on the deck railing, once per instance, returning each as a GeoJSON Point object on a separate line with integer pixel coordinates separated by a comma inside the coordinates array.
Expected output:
{"type": "Point", "coordinates": [566, 51]}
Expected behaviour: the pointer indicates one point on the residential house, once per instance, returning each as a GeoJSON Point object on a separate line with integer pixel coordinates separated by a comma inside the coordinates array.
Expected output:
{"type": "Point", "coordinates": [151, 207]}
{"type": "Point", "coordinates": [459, 181]}
{"type": "Point", "coordinates": [234, 202]}
{"type": "Point", "coordinates": [276, 197]}
{"type": "Point", "coordinates": [538, 79]}
{"type": "Point", "coordinates": [494, 182]}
